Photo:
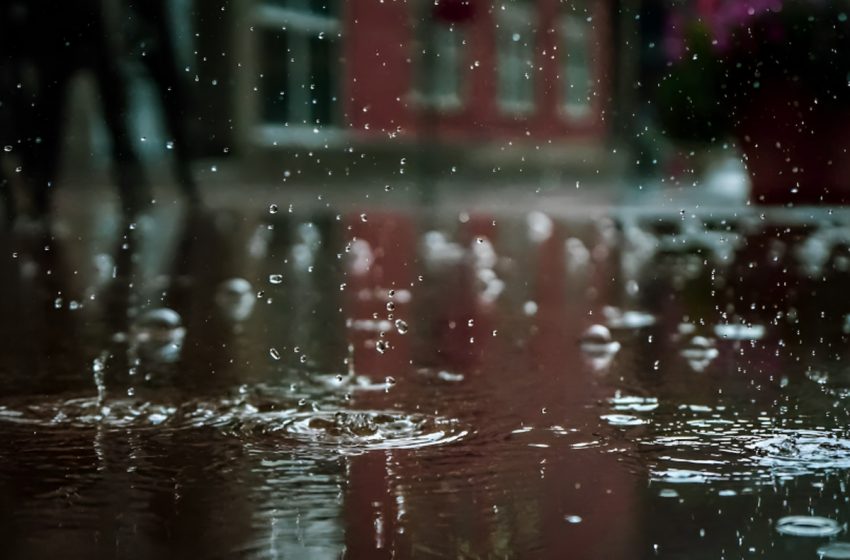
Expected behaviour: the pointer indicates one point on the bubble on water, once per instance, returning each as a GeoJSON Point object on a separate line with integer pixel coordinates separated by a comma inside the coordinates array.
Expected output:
{"type": "Point", "coordinates": [235, 299]}
{"type": "Point", "coordinates": [629, 319]}
{"type": "Point", "coordinates": [273, 352]}
{"type": "Point", "coordinates": [739, 331]}
{"type": "Point", "coordinates": [157, 335]}
{"type": "Point", "coordinates": [276, 278]}
{"type": "Point", "coordinates": [834, 550]}
{"type": "Point", "coordinates": [540, 226]}
{"type": "Point", "coordinates": [401, 326]}
{"type": "Point", "coordinates": [573, 519]}
{"type": "Point", "coordinates": [637, 404]}
{"type": "Point", "coordinates": [808, 526]}
{"type": "Point", "coordinates": [597, 340]}
{"type": "Point", "coordinates": [699, 353]}
{"type": "Point", "coordinates": [624, 420]}
{"type": "Point", "coordinates": [683, 476]}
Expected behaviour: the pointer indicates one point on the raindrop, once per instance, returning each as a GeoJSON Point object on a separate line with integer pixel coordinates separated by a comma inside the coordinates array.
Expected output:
{"type": "Point", "coordinates": [390, 306]}
{"type": "Point", "coordinates": [573, 519]}
{"type": "Point", "coordinates": [7, 148]}
{"type": "Point", "coordinates": [364, 218]}
{"type": "Point", "coordinates": [273, 209]}
{"type": "Point", "coordinates": [276, 278]}
{"type": "Point", "coordinates": [274, 353]}
{"type": "Point", "coordinates": [382, 346]}
{"type": "Point", "coordinates": [401, 326]}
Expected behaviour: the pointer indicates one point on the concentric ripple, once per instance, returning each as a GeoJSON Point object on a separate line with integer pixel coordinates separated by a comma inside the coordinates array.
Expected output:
{"type": "Point", "coordinates": [247, 415]}
{"type": "Point", "coordinates": [357, 429]}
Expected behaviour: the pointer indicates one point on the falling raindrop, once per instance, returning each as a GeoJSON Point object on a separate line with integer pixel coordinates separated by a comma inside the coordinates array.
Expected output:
{"type": "Point", "coordinates": [273, 209]}
{"type": "Point", "coordinates": [382, 346]}
{"type": "Point", "coordinates": [274, 353]}
{"type": "Point", "coordinates": [276, 278]}
{"type": "Point", "coordinates": [401, 326]}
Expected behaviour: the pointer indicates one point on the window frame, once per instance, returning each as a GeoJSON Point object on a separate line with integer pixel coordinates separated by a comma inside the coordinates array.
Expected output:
{"type": "Point", "coordinates": [301, 26]}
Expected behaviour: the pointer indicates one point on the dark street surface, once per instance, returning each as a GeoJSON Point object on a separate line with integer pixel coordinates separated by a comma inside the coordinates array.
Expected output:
{"type": "Point", "coordinates": [361, 377]}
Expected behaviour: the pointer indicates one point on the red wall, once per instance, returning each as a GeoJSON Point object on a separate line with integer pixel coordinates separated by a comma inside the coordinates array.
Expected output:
{"type": "Point", "coordinates": [379, 65]}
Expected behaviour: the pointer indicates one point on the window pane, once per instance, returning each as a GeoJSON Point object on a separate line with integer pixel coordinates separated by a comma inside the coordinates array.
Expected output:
{"type": "Point", "coordinates": [515, 43]}
{"type": "Point", "coordinates": [322, 80]}
{"type": "Point", "coordinates": [577, 64]}
{"type": "Point", "coordinates": [275, 84]}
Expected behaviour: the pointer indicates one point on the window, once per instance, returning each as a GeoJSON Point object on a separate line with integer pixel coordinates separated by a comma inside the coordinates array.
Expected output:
{"type": "Point", "coordinates": [515, 43]}
{"type": "Point", "coordinates": [576, 61]}
{"type": "Point", "coordinates": [298, 57]}
{"type": "Point", "coordinates": [441, 50]}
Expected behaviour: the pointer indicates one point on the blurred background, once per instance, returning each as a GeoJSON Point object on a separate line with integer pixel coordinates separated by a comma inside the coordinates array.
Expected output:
{"type": "Point", "coordinates": [394, 279]}
{"type": "Point", "coordinates": [450, 96]}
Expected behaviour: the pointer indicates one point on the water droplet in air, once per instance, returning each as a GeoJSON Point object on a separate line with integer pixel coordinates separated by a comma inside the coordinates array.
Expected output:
{"type": "Point", "coordinates": [573, 519]}
{"type": "Point", "coordinates": [273, 209]}
{"type": "Point", "coordinates": [382, 346]}
{"type": "Point", "coordinates": [274, 353]}
{"type": "Point", "coordinates": [276, 278]}
{"type": "Point", "coordinates": [401, 326]}
{"type": "Point", "coordinates": [364, 218]}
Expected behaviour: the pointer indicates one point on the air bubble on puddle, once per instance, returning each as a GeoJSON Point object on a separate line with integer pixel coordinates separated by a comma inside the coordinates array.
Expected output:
{"type": "Point", "coordinates": [739, 331]}
{"type": "Point", "coordinates": [624, 420]}
{"type": "Point", "coordinates": [808, 526]}
{"type": "Point", "coordinates": [834, 550]}
{"type": "Point", "coordinates": [616, 318]}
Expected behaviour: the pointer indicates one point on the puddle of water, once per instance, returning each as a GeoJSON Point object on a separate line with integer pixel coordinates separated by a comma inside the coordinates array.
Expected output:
{"type": "Point", "coordinates": [478, 386]}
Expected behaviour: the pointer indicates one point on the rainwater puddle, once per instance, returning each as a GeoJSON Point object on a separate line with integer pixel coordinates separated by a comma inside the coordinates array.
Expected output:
{"type": "Point", "coordinates": [259, 415]}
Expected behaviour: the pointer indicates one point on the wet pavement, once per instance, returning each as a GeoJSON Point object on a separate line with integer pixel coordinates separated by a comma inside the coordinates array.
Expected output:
{"type": "Point", "coordinates": [277, 379]}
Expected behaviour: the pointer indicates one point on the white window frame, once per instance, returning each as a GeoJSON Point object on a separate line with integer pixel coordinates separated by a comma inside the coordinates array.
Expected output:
{"type": "Point", "coordinates": [301, 25]}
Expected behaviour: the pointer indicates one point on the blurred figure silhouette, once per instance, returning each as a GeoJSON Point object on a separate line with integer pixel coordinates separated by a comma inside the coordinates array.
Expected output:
{"type": "Point", "coordinates": [45, 44]}
{"type": "Point", "coordinates": [152, 41]}
{"type": "Point", "coordinates": [53, 41]}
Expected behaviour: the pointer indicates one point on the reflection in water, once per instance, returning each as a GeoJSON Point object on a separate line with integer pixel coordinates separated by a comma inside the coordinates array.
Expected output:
{"type": "Point", "coordinates": [484, 386]}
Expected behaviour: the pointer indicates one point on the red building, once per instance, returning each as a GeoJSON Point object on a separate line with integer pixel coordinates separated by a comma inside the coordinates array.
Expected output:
{"type": "Point", "coordinates": [334, 90]}
{"type": "Point", "coordinates": [381, 73]}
